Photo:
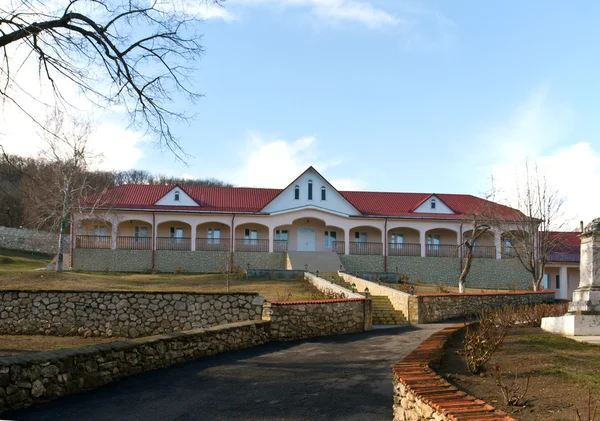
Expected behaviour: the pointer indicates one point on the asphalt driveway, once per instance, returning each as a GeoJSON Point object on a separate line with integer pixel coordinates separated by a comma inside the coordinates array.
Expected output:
{"type": "Point", "coordinates": [336, 378]}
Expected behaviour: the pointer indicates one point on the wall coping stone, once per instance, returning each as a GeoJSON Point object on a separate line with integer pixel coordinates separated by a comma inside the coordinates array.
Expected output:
{"type": "Point", "coordinates": [416, 374]}
{"type": "Point", "coordinates": [51, 356]}
{"type": "Point", "coordinates": [337, 300]}
{"type": "Point", "coordinates": [107, 291]}
{"type": "Point", "coordinates": [475, 294]}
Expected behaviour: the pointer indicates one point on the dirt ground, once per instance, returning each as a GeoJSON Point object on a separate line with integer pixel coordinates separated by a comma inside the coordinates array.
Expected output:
{"type": "Point", "coordinates": [17, 271]}
{"type": "Point", "coordinates": [562, 372]}
{"type": "Point", "coordinates": [25, 344]}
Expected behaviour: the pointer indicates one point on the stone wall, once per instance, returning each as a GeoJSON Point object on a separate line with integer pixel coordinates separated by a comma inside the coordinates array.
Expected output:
{"type": "Point", "coordinates": [31, 240]}
{"type": "Point", "coordinates": [99, 260]}
{"type": "Point", "coordinates": [259, 260]}
{"type": "Point", "coordinates": [437, 307]}
{"type": "Point", "coordinates": [274, 274]}
{"type": "Point", "coordinates": [47, 375]}
{"type": "Point", "coordinates": [485, 273]}
{"type": "Point", "coordinates": [170, 261]}
{"type": "Point", "coordinates": [121, 314]}
{"type": "Point", "coordinates": [307, 319]}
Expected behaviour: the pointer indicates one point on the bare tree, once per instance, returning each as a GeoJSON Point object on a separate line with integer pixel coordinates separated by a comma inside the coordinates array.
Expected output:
{"type": "Point", "coordinates": [479, 228]}
{"type": "Point", "coordinates": [131, 53]}
{"type": "Point", "coordinates": [531, 238]}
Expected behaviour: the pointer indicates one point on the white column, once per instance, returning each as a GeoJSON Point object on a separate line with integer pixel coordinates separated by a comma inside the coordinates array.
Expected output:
{"type": "Point", "coordinates": [271, 240]}
{"type": "Point", "coordinates": [194, 227]}
{"type": "Point", "coordinates": [423, 241]}
{"type": "Point", "coordinates": [563, 290]}
{"type": "Point", "coordinates": [498, 243]}
{"type": "Point", "coordinates": [115, 231]}
{"type": "Point", "coordinates": [347, 241]}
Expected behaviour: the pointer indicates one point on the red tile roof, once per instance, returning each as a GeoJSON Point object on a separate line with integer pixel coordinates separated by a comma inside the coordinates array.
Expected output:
{"type": "Point", "coordinates": [252, 200]}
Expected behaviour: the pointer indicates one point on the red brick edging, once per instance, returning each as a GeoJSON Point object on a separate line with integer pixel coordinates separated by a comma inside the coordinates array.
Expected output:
{"type": "Point", "coordinates": [415, 373]}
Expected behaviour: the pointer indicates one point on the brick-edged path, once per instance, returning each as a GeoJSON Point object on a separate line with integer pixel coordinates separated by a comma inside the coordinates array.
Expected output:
{"type": "Point", "coordinates": [339, 378]}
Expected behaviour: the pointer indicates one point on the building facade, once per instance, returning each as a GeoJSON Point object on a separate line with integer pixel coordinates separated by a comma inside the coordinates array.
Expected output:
{"type": "Point", "coordinates": [195, 229]}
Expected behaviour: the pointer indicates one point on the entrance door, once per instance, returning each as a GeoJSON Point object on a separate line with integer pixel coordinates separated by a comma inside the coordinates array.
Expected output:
{"type": "Point", "coordinates": [307, 239]}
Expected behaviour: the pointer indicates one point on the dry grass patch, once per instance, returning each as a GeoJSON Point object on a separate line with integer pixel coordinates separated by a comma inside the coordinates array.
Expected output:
{"type": "Point", "coordinates": [21, 344]}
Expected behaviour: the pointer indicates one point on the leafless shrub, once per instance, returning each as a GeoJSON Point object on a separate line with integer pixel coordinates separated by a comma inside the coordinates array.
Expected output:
{"type": "Point", "coordinates": [483, 338]}
{"type": "Point", "coordinates": [441, 288]}
{"type": "Point", "coordinates": [513, 392]}
{"type": "Point", "coordinates": [591, 414]}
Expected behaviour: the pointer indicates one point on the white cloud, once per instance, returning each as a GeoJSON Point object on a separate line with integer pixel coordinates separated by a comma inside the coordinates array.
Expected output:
{"type": "Point", "coordinates": [201, 9]}
{"type": "Point", "coordinates": [539, 131]}
{"type": "Point", "coordinates": [274, 163]}
{"type": "Point", "coordinates": [335, 11]}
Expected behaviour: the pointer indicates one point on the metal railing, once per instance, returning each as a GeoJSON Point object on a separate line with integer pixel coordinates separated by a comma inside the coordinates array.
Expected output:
{"type": "Point", "coordinates": [134, 243]}
{"type": "Point", "coordinates": [362, 247]}
{"type": "Point", "coordinates": [441, 250]}
{"type": "Point", "coordinates": [482, 252]}
{"type": "Point", "coordinates": [173, 243]}
{"type": "Point", "coordinates": [280, 245]}
{"type": "Point", "coordinates": [212, 244]}
{"type": "Point", "coordinates": [338, 247]}
{"type": "Point", "coordinates": [252, 245]}
{"type": "Point", "coordinates": [404, 249]}
{"type": "Point", "coordinates": [93, 241]}
{"type": "Point", "coordinates": [508, 252]}
{"type": "Point", "coordinates": [564, 257]}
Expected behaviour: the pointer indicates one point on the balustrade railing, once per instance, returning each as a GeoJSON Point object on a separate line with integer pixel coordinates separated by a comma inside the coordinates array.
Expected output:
{"type": "Point", "coordinates": [212, 244]}
{"type": "Point", "coordinates": [280, 245]}
{"type": "Point", "coordinates": [441, 250]}
{"type": "Point", "coordinates": [134, 243]}
{"type": "Point", "coordinates": [93, 241]}
{"type": "Point", "coordinates": [363, 247]}
{"type": "Point", "coordinates": [508, 252]}
{"type": "Point", "coordinates": [338, 247]}
{"type": "Point", "coordinates": [482, 252]}
{"type": "Point", "coordinates": [252, 245]}
{"type": "Point", "coordinates": [173, 243]}
{"type": "Point", "coordinates": [404, 249]}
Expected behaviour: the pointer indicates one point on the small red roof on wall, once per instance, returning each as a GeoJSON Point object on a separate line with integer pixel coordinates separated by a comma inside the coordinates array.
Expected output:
{"type": "Point", "coordinates": [252, 200]}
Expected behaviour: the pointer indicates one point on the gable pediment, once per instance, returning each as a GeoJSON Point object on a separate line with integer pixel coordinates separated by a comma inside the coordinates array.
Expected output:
{"type": "Point", "coordinates": [298, 196]}
{"type": "Point", "coordinates": [433, 204]}
{"type": "Point", "coordinates": [176, 197]}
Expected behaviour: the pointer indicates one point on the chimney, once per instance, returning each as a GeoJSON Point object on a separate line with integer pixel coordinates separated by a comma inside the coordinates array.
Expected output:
{"type": "Point", "coordinates": [581, 226]}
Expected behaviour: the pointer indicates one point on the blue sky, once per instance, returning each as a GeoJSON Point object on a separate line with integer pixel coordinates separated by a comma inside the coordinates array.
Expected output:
{"type": "Point", "coordinates": [393, 95]}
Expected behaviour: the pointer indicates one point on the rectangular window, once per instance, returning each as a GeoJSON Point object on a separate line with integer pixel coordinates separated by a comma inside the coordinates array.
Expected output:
{"type": "Point", "coordinates": [100, 233]}
{"type": "Point", "coordinates": [330, 237]}
{"type": "Point", "coordinates": [323, 194]}
{"type": "Point", "coordinates": [557, 281]}
{"type": "Point", "coordinates": [176, 234]}
{"type": "Point", "coordinates": [309, 191]}
{"type": "Point", "coordinates": [360, 237]}
{"type": "Point", "coordinates": [397, 238]}
{"type": "Point", "coordinates": [281, 235]}
{"type": "Point", "coordinates": [140, 233]}
{"type": "Point", "coordinates": [250, 236]}
{"type": "Point", "coordinates": [433, 239]}
{"type": "Point", "coordinates": [214, 235]}
{"type": "Point", "coordinates": [297, 193]}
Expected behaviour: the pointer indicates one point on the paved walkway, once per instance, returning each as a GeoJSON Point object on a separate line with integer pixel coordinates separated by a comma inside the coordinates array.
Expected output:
{"type": "Point", "coordinates": [341, 378]}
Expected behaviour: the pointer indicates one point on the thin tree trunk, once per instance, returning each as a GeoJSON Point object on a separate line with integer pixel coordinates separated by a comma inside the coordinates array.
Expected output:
{"type": "Point", "coordinates": [63, 223]}
{"type": "Point", "coordinates": [463, 275]}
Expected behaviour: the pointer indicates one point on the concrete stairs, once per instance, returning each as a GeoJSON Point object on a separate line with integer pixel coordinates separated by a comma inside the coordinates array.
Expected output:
{"type": "Point", "coordinates": [322, 261]}
{"type": "Point", "coordinates": [383, 311]}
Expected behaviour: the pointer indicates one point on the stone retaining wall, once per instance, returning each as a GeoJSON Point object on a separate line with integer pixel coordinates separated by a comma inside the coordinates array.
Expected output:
{"type": "Point", "coordinates": [307, 319]}
{"type": "Point", "coordinates": [171, 261]}
{"type": "Point", "coordinates": [485, 273]}
{"type": "Point", "coordinates": [422, 395]}
{"type": "Point", "coordinates": [30, 240]}
{"type": "Point", "coordinates": [327, 287]}
{"type": "Point", "coordinates": [47, 375]}
{"type": "Point", "coordinates": [124, 314]}
{"type": "Point", "coordinates": [437, 307]}
{"type": "Point", "coordinates": [274, 274]}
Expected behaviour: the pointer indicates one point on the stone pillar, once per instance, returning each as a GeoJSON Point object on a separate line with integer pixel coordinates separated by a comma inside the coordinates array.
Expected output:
{"type": "Point", "coordinates": [498, 244]}
{"type": "Point", "coordinates": [586, 298]}
{"type": "Point", "coordinates": [347, 241]}
{"type": "Point", "coordinates": [583, 318]}
{"type": "Point", "coordinates": [271, 240]}
{"type": "Point", "coordinates": [563, 290]}
{"type": "Point", "coordinates": [423, 241]}
{"type": "Point", "coordinates": [193, 240]}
